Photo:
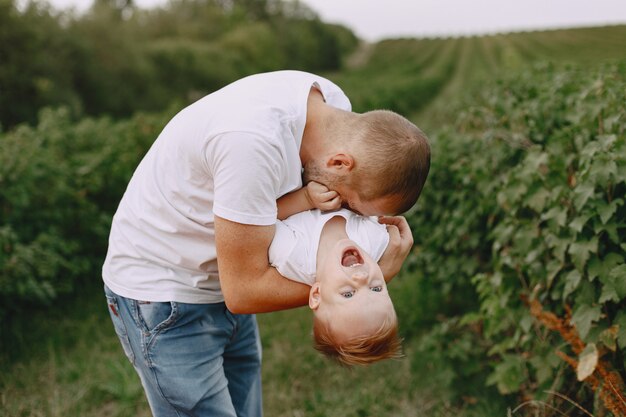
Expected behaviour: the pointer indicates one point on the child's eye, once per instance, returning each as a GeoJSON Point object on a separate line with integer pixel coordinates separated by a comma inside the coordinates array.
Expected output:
{"type": "Point", "coordinates": [378, 288]}
{"type": "Point", "coordinates": [347, 294]}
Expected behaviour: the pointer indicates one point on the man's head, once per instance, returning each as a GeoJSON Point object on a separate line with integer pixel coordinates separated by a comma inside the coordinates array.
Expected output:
{"type": "Point", "coordinates": [377, 161]}
{"type": "Point", "coordinates": [354, 318]}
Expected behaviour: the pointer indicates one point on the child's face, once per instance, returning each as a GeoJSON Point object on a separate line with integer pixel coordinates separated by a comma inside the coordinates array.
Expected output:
{"type": "Point", "coordinates": [350, 292]}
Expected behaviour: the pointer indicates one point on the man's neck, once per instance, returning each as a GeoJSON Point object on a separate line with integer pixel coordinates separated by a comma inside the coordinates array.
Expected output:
{"type": "Point", "coordinates": [312, 138]}
{"type": "Point", "coordinates": [333, 231]}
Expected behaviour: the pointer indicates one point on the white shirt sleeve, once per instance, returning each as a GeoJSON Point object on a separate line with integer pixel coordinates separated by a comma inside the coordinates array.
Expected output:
{"type": "Point", "coordinates": [293, 252]}
{"type": "Point", "coordinates": [247, 170]}
{"type": "Point", "coordinates": [369, 234]}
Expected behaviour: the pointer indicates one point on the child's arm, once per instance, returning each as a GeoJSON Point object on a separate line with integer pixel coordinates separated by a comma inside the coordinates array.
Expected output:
{"type": "Point", "coordinates": [313, 195]}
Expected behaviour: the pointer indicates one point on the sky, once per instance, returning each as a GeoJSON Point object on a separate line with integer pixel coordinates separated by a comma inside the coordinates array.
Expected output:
{"type": "Point", "coordinates": [373, 20]}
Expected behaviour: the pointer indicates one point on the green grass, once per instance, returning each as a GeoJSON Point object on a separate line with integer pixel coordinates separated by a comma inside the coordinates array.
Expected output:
{"type": "Point", "coordinates": [73, 366]}
{"type": "Point", "coordinates": [77, 368]}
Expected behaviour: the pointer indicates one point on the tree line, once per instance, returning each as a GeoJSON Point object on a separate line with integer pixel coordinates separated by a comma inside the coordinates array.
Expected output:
{"type": "Point", "coordinates": [116, 58]}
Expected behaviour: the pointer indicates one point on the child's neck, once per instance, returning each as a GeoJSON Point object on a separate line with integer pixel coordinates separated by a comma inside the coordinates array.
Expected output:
{"type": "Point", "coordinates": [333, 230]}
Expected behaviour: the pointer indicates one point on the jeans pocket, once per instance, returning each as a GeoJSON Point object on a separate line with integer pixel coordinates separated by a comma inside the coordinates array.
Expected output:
{"type": "Point", "coordinates": [156, 316]}
{"type": "Point", "coordinates": [120, 327]}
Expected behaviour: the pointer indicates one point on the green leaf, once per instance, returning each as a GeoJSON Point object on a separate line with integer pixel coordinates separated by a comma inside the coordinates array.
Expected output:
{"type": "Point", "coordinates": [537, 201]}
{"type": "Point", "coordinates": [607, 211]}
{"type": "Point", "coordinates": [553, 268]}
{"type": "Point", "coordinates": [579, 222]}
{"type": "Point", "coordinates": [582, 193]}
{"type": "Point", "coordinates": [590, 149]}
{"type": "Point", "coordinates": [610, 229]}
{"type": "Point", "coordinates": [600, 268]}
{"type": "Point", "coordinates": [558, 245]}
{"type": "Point", "coordinates": [543, 368]}
{"type": "Point", "coordinates": [607, 141]}
{"type": "Point", "coordinates": [585, 293]}
{"type": "Point", "coordinates": [608, 337]}
{"type": "Point", "coordinates": [572, 279]}
{"type": "Point", "coordinates": [558, 214]}
{"type": "Point", "coordinates": [601, 171]}
{"type": "Point", "coordinates": [614, 285]}
{"type": "Point", "coordinates": [508, 375]}
{"type": "Point", "coordinates": [584, 316]}
{"type": "Point", "coordinates": [580, 252]}
{"type": "Point", "coordinates": [526, 321]}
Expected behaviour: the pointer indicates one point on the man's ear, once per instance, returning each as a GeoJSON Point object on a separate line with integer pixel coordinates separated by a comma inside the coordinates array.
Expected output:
{"type": "Point", "coordinates": [341, 162]}
{"type": "Point", "coordinates": [314, 296]}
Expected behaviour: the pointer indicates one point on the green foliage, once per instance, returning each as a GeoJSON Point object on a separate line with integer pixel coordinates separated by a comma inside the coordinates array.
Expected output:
{"type": "Point", "coordinates": [60, 182]}
{"type": "Point", "coordinates": [526, 199]}
{"type": "Point", "coordinates": [117, 59]}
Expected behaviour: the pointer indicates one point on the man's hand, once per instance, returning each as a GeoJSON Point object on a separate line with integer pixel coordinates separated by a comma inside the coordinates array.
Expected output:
{"type": "Point", "coordinates": [321, 197]}
{"type": "Point", "coordinates": [400, 244]}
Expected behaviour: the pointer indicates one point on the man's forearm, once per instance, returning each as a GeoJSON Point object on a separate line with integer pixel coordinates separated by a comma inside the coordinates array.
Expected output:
{"type": "Point", "coordinates": [269, 292]}
{"type": "Point", "coordinates": [248, 282]}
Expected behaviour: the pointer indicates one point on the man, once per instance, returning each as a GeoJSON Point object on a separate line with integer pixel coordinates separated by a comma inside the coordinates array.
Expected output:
{"type": "Point", "coordinates": [205, 195]}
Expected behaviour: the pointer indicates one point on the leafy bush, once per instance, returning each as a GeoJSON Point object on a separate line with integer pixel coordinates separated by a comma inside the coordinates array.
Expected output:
{"type": "Point", "coordinates": [60, 182]}
{"type": "Point", "coordinates": [526, 201]}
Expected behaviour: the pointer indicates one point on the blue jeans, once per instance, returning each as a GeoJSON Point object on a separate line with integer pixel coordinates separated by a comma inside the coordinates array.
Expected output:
{"type": "Point", "coordinates": [193, 359]}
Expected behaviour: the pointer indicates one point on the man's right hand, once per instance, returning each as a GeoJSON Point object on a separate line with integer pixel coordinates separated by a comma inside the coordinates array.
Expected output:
{"type": "Point", "coordinates": [399, 247]}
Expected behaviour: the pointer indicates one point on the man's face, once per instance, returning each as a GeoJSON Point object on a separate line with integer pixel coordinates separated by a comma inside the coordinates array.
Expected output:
{"type": "Point", "coordinates": [351, 200]}
{"type": "Point", "coordinates": [347, 187]}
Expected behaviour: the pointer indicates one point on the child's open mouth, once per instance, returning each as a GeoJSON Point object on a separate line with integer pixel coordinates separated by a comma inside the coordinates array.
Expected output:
{"type": "Point", "coordinates": [351, 257]}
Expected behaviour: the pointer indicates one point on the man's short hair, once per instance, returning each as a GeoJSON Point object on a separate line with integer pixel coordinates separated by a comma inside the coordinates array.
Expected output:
{"type": "Point", "coordinates": [363, 350]}
{"type": "Point", "coordinates": [396, 159]}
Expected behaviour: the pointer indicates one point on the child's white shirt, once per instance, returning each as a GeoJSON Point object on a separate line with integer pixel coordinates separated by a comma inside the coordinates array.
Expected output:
{"type": "Point", "coordinates": [293, 251]}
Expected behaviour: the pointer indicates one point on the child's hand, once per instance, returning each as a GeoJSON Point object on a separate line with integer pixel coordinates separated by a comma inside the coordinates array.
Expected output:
{"type": "Point", "coordinates": [321, 197]}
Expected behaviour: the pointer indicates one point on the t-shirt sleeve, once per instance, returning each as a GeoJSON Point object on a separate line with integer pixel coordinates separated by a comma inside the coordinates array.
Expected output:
{"type": "Point", "coordinates": [247, 170]}
{"type": "Point", "coordinates": [377, 237]}
{"type": "Point", "coordinates": [289, 255]}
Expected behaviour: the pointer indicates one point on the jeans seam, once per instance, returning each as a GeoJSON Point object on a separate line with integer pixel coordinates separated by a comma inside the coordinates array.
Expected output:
{"type": "Point", "coordinates": [126, 344]}
{"type": "Point", "coordinates": [233, 320]}
{"type": "Point", "coordinates": [148, 337]}
{"type": "Point", "coordinates": [156, 380]}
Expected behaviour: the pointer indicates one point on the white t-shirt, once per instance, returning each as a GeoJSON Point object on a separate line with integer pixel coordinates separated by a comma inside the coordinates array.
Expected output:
{"type": "Point", "coordinates": [293, 251]}
{"type": "Point", "coordinates": [230, 154]}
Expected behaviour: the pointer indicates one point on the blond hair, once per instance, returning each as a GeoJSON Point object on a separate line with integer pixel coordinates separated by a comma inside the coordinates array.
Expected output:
{"type": "Point", "coordinates": [396, 158]}
{"type": "Point", "coordinates": [384, 343]}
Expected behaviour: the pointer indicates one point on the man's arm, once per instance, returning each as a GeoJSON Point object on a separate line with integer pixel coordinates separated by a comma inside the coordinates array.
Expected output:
{"type": "Point", "coordinates": [400, 244]}
{"type": "Point", "coordinates": [249, 283]}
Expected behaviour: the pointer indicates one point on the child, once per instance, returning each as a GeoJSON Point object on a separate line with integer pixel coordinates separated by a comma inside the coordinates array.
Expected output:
{"type": "Point", "coordinates": [336, 253]}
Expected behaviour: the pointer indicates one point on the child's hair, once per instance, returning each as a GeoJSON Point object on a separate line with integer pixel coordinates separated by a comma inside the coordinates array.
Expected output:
{"type": "Point", "coordinates": [363, 350]}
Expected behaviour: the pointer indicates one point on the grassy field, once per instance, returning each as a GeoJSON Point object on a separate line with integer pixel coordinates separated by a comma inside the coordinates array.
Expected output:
{"type": "Point", "coordinates": [72, 364]}
{"type": "Point", "coordinates": [75, 367]}
{"type": "Point", "coordinates": [420, 77]}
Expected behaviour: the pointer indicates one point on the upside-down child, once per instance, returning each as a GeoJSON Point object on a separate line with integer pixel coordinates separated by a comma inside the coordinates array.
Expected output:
{"type": "Point", "coordinates": [336, 253]}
